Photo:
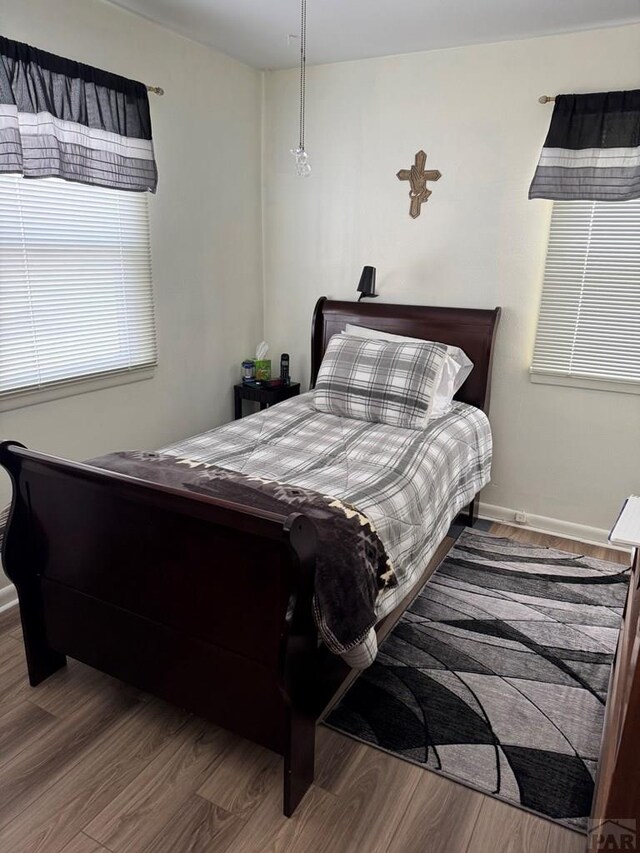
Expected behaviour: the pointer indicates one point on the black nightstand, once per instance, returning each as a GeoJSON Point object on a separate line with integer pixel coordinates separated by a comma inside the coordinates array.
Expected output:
{"type": "Point", "coordinates": [263, 395]}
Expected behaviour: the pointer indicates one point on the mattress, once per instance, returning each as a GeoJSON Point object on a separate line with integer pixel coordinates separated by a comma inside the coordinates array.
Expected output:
{"type": "Point", "coordinates": [409, 483]}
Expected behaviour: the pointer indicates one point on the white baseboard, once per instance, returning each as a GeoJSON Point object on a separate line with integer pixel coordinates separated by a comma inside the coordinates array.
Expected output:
{"type": "Point", "coordinates": [8, 597]}
{"type": "Point", "coordinates": [553, 526]}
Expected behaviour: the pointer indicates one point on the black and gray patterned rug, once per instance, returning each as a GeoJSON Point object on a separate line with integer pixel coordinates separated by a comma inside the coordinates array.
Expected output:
{"type": "Point", "coordinates": [497, 675]}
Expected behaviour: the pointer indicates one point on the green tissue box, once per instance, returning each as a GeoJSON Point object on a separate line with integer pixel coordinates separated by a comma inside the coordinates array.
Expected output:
{"type": "Point", "coordinates": [263, 369]}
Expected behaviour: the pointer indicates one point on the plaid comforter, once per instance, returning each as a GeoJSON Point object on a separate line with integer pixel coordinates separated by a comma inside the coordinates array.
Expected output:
{"type": "Point", "coordinates": [409, 483]}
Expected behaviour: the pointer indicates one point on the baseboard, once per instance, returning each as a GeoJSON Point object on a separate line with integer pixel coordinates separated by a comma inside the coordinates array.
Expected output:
{"type": "Point", "coordinates": [553, 526]}
{"type": "Point", "coordinates": [8, 597]}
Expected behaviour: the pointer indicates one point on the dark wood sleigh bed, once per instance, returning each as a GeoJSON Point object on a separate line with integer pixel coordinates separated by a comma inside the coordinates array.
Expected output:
{"type": "Point", "coordinates": [186, 596]}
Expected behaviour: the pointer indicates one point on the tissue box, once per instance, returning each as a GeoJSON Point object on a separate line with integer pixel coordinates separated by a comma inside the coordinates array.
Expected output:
{"type": "Point", "coordinates": [263, 369]}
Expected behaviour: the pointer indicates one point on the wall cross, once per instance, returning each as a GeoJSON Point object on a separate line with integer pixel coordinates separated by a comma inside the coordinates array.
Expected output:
{"type": "Point", "coordinates": [418, 177]}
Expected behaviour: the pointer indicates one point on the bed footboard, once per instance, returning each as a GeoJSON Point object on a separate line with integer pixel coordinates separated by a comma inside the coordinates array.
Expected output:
{"type": "Point", "coordinates": [202, 602]}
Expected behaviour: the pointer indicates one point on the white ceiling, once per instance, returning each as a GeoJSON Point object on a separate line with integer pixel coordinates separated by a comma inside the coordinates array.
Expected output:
{"type": "Point", "coordinates": [256, 31]}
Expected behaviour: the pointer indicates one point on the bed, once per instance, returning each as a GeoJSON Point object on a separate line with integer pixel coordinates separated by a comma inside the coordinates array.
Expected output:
{"type": "Point", "coordinates": [207, 602]}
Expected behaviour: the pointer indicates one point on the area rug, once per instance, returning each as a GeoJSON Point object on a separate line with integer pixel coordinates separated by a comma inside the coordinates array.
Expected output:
{"type": "Point", "coordinates": [497, 675]}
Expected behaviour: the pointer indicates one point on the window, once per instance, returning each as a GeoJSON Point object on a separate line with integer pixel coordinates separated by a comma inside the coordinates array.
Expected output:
{"type": "Point", "coordinates": [589, 326]}
{"type": "Point", "coordinates": [76, 298]}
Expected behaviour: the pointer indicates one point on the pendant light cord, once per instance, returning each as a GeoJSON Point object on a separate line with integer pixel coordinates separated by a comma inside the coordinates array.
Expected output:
{"type": "Point", "coordinates": [303, 68]}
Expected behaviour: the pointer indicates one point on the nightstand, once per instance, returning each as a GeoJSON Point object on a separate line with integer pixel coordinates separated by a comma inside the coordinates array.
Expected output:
{"type": "Point", "coordinates": [262, 394]}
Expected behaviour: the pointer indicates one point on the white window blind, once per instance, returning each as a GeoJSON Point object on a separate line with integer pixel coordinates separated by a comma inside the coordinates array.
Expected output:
{"type": "Point", "coordinates": [589, 324]}
{"type": "Point", "coordinates": [76, 298]}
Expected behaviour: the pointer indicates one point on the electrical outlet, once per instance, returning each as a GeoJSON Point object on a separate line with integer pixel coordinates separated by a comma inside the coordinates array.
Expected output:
{"type": "Point", "coordinates": [520, 517]}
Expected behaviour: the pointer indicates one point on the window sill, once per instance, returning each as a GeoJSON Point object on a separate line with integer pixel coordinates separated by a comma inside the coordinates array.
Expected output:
{"type": "Point", "coordinates": [32, 397]}
{"type": "Point", "coordinates": [584, 382]}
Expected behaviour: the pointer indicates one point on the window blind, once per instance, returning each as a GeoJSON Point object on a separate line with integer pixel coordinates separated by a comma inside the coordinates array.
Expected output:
{"type": "Point", "coordinates": [589, 323]}
{"type": "Point", "coordinates": [76, 298]}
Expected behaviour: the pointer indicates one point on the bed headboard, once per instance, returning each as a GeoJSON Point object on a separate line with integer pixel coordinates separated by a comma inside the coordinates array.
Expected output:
{"type": "Point", "coordinates": [471, 329]}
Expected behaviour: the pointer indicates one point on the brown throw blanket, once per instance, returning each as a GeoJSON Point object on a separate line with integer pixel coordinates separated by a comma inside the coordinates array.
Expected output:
{"type": "Point", "coordinates": [351, 563]}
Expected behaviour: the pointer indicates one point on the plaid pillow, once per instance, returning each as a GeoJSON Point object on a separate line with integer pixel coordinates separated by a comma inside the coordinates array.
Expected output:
{"type": "Point", "coordinates": [379, 381]}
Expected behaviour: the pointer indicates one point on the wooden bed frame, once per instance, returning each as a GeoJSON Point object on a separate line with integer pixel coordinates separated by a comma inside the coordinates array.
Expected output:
{"type": "Point", "coordinates": [186, 596]}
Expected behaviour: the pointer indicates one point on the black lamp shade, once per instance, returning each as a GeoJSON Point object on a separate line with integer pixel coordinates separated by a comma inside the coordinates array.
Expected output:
{"type": "Point", "coordinates": [367, 285]}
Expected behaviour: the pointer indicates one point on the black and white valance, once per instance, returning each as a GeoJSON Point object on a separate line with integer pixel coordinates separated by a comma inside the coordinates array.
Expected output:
{"type": "Point", "coordinates": [592, 150]}
{"type": "Point", "coordinates": [59, 118]}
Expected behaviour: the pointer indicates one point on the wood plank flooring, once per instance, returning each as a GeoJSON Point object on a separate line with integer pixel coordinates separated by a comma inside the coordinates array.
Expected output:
{"type": "Point", "coordinates": [89, 765]}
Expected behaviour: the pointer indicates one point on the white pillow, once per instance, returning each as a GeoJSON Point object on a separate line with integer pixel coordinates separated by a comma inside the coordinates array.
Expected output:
{"type": "Point", "coordinates": [455, 368]}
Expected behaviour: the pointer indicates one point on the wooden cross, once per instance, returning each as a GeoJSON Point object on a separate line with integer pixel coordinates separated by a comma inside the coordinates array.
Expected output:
{"type": "Point", "coordinates": [418, 177]}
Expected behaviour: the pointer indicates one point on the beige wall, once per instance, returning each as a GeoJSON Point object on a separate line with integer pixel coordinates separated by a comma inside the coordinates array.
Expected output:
{"type": "Point", "coordinates": [567, 453]}
{"type": "Point", "coordinates": [205, 229]}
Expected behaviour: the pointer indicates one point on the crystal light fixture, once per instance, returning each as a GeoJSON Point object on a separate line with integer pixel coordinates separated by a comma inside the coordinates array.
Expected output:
{"type": "Point", "coordinates": [303, 168]}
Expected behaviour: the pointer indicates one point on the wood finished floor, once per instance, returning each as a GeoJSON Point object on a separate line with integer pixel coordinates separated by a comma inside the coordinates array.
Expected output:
{"type": "Point", "coordinates": [88, 765]}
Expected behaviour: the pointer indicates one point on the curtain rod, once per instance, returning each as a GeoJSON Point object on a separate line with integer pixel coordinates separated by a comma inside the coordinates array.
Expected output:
{"type": "Point", "coordinates": [157, 90]}
{"type": "Point", "coordinates": [544, 99]}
